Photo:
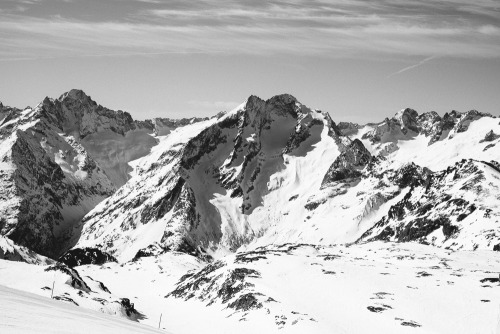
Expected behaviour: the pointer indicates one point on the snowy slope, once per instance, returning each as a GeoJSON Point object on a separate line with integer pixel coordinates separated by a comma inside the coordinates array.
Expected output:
{"type": "Point", "coordinates": [70, 287]}
{"type": "Point", "coordinates": [47, 182]}
{"type": "Point", "coordinates": [215, 185]}
{"type": "Point", "coordinates": [60, 159]}
{"type": "Point", "coordinates": [23, 312]}
{"type": "Point", "coordinates": [374, 287]}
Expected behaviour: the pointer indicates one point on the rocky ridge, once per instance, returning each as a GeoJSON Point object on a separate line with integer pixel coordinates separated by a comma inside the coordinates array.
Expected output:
{"type": "Point", "coordinates": [234, 156]}
{"type": "Point", "coordinates": [59, 160]}
{"type": "Point", "coordinates": [268, 170]}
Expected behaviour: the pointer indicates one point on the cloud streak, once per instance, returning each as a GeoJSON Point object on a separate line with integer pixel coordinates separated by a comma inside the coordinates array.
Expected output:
{"type": "Point", "coordinates": [420, 63]}
{"type": "Point", "coordinates": [335, 29]}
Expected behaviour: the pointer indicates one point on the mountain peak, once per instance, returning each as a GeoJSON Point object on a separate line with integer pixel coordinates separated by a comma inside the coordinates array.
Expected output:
{"type": "Point", "coordinates": [407, 112]}
{"type": "Point", "coordinates": [253, 100]}
{"type": "Point", "coordinates": [279, 99]}
{"type": "Point", "coordinates": [283, 98]}
{"type": "Point", "coordinates": [76, 94]}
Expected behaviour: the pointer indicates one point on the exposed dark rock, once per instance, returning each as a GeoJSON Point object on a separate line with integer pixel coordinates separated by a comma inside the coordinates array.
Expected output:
{"type": "Point", "coordinates": [84, 256]}
{"type": "Point", "coordinates": [65, 299]}
{"type": "Point", "coordinates": [245, 302]}
{"type": "Point", "coordinates": [490, 279]}
{"type": "Point", "coordinates": [408, 120]}
{"type": "Point", "coordinates": [421, 212]}
{"type": "Point", "coordinates": [376, 309]}
{"type": "Point", "coordinates": [423, 274]}
{"type": "Point", "coordinates": [191, 283]}
{"type": "Point", "coordinates": [128, 307]}
{"type": "Point", "coordinates": [410, 324]}
{"type": "Point", "coordinates": [235, 283]}
{"type": "Point", "coordinates": [411, 175]}
{"type": "Point", "coordinates": [347, 128]}
{"type": "Point", "coordinates": [151, 250]}
{"type": "Point", "coordinates": [75, 279]}
{"type": "Point", "coordinates": [490, 136]}
{"type": "Point", "coordinates": [348, 164]}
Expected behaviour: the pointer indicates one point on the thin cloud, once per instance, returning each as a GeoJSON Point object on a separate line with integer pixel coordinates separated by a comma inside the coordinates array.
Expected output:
{"type": "Point", "coordinates": [420, 63]}
{"type": "Point", "coordinates": [340, 29]}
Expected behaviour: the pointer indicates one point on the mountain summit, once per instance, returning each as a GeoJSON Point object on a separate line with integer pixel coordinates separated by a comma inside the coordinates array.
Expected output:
{"type": "Point", "coordinates": [276, 171]}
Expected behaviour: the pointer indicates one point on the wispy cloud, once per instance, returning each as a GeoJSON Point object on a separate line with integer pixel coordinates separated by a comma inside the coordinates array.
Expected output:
{"type": "Point", "coordinates": [341, 28]}
{"type": "Point", "coordinates": [420, 63]}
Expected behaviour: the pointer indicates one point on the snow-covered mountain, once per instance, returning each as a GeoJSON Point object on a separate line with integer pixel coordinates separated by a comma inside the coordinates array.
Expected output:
{"type": "Point", "coordinates": [277, 171]}
{"type": "Point", "coordinates": [59, 160]}
{"type": "Point", "coordinates": [269, 217]}
{"type": "Point", "coordinates": [216, 185]}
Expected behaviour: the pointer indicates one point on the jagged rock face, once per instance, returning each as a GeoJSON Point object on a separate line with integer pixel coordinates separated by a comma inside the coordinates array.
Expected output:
{"type": "Point", "coordinates": [431, 125]}
{"type": "Point", "coordinates": [411, 175]}
{"type": "Point", "coordinates": [58, 161]}
{"type": "Point", "coordinates": [348, 164]}
{"type": "Point", "coordinates": [12, 252]}
{"type": "Point", "coordinates": [490, 136]}
{"type": "Point", "coordinates": [48, 182]}
{"type": "Point", "coordinates": [80, 257]}
{"type": "Point", "coordinates": [78, 115]}
{"type": "Point", "coordinates": [111, 137]}
{"type": "Point", "coordinates": [408, 120]}
{"type": "Point", "coordinates": [407, 124]}
{"type": "Point", "coordinates": [209, 192]}
{"type": "Point", "coordinates": [466, 118]}
{"type": "Point", "coordinates": [348, 128]}
{"type": "Point", "coordinates": [8, 113]}
{"type": "Point", "coordinates": [455, 208]}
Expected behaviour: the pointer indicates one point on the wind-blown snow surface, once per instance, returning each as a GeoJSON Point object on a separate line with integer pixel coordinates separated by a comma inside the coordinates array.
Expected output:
{"type": "Point", "coordinates": [375, 287]}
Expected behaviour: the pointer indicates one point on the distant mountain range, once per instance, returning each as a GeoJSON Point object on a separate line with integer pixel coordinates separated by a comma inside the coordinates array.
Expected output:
{"type": "Point", "coordinates": [75, 174]}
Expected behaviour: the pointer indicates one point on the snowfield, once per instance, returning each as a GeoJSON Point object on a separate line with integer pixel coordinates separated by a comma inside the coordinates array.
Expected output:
{"type": "Point", "coordinates": [23, 312]}
{"type": "Point", "coordinates": [375, 287]}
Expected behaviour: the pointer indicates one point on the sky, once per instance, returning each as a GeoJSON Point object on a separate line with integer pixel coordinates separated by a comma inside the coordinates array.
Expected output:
{"type": "Point", "coordinates": [359, 60]}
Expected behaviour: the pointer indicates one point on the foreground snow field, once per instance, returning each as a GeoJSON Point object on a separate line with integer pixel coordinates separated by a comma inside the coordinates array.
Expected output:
{"type": "Point", "coordinates": [376, 287]}
{"type": "Point", "coordinates": [23, 312]}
